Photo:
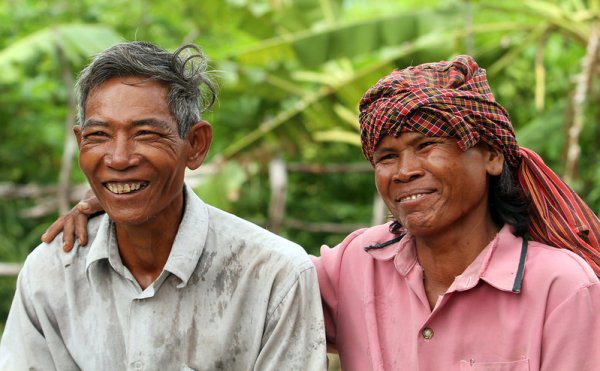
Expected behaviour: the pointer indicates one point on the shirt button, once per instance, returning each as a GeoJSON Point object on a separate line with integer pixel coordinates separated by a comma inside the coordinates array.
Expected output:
{"type": "Point", "coordinates": [427, 333]}
{"type": "Point", "coordinates": [138, 365]}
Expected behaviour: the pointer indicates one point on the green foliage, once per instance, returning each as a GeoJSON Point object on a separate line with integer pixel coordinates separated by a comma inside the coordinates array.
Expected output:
{"type": "Point", "coordinates": [18, 235]}
{"type": "Point", "coordinates": [222, 190]}
{"type": "Point", "coordinates": [77, 42]}
{"type": "Point", "coordinates": [7, 291]}
{"type": "Point", "coordinates": [35, 96]}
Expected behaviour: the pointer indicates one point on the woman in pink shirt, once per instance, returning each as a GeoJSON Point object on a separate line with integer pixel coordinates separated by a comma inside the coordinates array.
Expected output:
{"type": "Point", "coordinates": [451, 283]}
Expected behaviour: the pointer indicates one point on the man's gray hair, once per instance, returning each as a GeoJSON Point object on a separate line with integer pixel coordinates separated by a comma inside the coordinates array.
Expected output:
{"type": "Point", "coordinates": [190, 91]}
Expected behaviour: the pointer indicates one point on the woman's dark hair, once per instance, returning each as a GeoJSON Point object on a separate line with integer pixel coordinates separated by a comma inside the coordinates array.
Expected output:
{"type": "Point", "coordinates": [508, 204]}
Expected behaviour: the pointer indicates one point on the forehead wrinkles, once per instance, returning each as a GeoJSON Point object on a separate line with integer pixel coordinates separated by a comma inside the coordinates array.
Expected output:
{"type": "Point", "coordinates": [137, 96]}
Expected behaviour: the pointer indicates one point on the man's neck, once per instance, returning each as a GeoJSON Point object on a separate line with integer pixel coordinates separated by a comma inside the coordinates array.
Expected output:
{"type": "Point", "coordinates": [145, 248]}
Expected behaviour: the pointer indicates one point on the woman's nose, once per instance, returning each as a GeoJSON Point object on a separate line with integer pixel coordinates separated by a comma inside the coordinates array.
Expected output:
{"type": "Point", "coordinates": [408, 168]}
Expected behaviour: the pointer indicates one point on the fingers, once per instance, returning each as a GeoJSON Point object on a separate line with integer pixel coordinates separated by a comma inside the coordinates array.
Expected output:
{"type": "Point", "coordinates": [69, 231]}
{"type": "Point", "coordinates": [53, 230]}
{"type": "Point", "coordinates": [81, 221]}
{"type": "Point", "coordinates": [82, 211]}
{"type": "Point", "coordinates": [89, 205]}
{"type": "Point", "coordinates": [74, 223]}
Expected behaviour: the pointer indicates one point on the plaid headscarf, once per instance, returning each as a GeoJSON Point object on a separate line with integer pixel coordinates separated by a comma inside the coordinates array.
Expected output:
{"type": "Point", "coordinates": [453, 99]}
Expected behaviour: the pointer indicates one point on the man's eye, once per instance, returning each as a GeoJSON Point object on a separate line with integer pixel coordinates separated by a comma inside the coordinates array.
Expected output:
{"type": "Point", "coordinates": [146, 133]}
{"type": "Point", "coordinates": [95, 135]}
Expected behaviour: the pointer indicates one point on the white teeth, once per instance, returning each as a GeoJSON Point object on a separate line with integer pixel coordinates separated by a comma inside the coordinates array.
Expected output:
{"type": "Point", "coordinates": [120, 188]}
{"type": "Point", "coordinates": [412, 197]}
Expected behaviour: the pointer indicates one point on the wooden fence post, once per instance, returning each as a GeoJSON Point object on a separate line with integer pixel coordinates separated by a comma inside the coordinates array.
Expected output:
{"type": "Point", "coordinates": [278, 180]}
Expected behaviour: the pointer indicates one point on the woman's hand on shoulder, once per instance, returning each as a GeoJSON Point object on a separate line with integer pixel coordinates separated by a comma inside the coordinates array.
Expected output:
{"type": "Point", "coordinates": [74, 223]}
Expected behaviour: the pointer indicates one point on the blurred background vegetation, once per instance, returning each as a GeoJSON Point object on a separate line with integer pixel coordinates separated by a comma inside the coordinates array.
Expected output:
{"type": "Point", "coordinates": [291, 73]}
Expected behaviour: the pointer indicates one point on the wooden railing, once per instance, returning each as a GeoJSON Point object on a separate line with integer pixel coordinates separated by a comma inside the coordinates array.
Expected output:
{"type": "Point", "coordinates": [10, 269]}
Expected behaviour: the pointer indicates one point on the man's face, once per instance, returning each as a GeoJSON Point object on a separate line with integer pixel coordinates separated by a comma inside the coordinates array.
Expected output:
{"type": "Point", "coordinates": [431, 186]}
{"type": "Point", "coordinates": [131, 152]}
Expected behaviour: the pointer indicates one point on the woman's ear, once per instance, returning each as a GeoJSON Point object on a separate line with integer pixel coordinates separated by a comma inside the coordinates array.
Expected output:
{"type": "Point", "coordinates": [199, 137]}
{"type": "Point", "coordinates": [495, 161]}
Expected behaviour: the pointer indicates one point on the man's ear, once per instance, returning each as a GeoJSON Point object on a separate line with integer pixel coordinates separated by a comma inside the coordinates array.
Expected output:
{"type": "Point", "coordinates": [200, 138]}
{"type": "Point", "coordinates": [77, 132]}
{"type": "Point", "coordinates": [495, 161]}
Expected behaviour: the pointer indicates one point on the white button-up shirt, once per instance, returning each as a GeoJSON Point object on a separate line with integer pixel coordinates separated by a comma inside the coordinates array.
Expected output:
{"type": "Point", "coordinates": [232, 296]}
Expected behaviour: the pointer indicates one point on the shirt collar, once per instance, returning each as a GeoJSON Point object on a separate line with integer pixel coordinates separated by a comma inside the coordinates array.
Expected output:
{"type": "Point", "coordinates": [497, 264]}
{"type": "Point", "coordinates": [403, 252]}
{"type": "Point", "coordinates": [100, 246]}
{"type": "Point", "coordinates": [500, 267]}
{"type": "Point", "coordinates": [190, 240]}
{"type": "Point", "coordinates": [187, 247]}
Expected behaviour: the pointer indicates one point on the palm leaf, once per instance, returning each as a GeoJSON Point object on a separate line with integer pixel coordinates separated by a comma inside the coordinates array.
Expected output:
{"type": "Point", "coordinates": [77, 41]}
{"type": "Point", "coordinates": [436, 42]}
{"type": "Point", "coordinates": [344, 40]}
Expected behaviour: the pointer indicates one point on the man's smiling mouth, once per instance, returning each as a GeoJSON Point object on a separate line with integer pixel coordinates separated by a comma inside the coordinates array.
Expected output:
{"type": "Point", "coordinates": [122, 188]}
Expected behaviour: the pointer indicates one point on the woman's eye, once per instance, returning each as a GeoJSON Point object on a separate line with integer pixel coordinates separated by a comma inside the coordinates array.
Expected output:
{"type": "Point", "coordinates": [385, 157]}
{"type": "Point", "coordinates": [427, 144]}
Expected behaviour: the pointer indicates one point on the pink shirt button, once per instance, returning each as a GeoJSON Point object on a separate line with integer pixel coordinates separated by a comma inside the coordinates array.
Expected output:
{"type": "Point", "coordinates": [427, 333]}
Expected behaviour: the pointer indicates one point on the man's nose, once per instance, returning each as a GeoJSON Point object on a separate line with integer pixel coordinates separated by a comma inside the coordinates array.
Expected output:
{"type": "Point", "coordinates": [121, 154]}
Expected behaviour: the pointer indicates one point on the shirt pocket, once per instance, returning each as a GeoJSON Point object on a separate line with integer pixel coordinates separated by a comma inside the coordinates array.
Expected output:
{"type": "Point", "coordinates": [520, 365]}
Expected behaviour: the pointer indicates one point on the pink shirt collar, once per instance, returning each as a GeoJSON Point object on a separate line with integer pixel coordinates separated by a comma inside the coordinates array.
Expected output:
{"type": "Point", "coordinates": [497, 264]}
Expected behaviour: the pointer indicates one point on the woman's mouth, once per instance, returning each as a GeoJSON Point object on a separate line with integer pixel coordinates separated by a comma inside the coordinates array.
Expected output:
{"type": "Point", "coordinates": [411, 197]}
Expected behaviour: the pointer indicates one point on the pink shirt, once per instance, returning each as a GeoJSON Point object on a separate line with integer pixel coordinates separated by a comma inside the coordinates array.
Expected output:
{"type": "Point", "coordinates": [378, 318]}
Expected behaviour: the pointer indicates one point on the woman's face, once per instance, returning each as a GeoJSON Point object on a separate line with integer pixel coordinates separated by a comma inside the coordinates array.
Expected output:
{"type": "Point", "coordinates": [430, 185]}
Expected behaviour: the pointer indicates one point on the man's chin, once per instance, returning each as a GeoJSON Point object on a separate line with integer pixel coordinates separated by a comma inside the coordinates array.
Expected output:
{"type": "Point", "coordinates": [128, 218]}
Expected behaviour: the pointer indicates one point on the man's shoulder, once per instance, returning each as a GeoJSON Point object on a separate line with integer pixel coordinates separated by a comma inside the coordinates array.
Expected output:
{"type": "Point", "coordinates": [46, 265]}
{"type": "Point", "coordinates": [254, 241]}
{"type": "Point", "coordinates": [51, 259]}
{"type": "Point", "coordinates": [254, 262]}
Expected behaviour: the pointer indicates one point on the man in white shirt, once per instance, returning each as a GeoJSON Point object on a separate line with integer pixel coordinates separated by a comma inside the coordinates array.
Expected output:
{"type": "Point", "coordinates": [168, 282]}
